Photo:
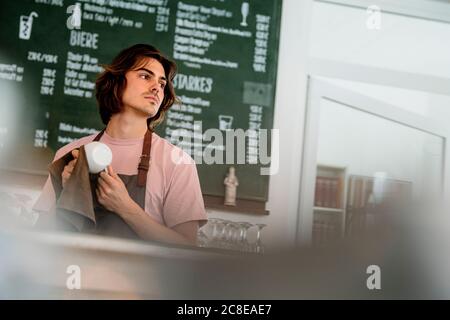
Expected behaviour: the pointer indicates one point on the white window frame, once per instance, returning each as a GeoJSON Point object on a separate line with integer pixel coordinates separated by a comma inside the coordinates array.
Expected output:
{"type": "Point", "coordinates": [318, 90]}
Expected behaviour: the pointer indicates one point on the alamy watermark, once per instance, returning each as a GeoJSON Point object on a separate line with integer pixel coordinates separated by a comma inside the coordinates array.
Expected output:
{"type": "Point", "coordinates": [74, 20]}
{"type": "Point", "coordinates": [374, 280]}
{"type": "Point", "coordinates": [231, 146]}
{"type": "Point", "coordinates": [373, 21]}
{"type": "Point", "coordinates": [73, 281]}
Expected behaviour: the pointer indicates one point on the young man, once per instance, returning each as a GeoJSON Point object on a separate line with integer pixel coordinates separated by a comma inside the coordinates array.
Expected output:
{"type": "Point", "coordinates": [158, 197]}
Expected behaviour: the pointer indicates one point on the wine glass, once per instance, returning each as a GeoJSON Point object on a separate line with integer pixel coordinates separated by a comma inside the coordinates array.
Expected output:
{"type": "Point", "coordinates": [244, 244]}
{"type": "Point", "coordinates": [259, 247]}
{"type": "Point", "coordinates": [202, 238]}
{"type": "Point", "coordinates": [244, 10]}
{"type": "Point", "coordinates": [229, 242]}
{"type": "Point", "coordinates": [217, 226]}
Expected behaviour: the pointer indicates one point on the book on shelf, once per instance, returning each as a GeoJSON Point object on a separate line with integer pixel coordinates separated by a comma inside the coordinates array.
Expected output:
{"type": "Point", "coordinates": [324, 231]}
{"type": "Point", "coordinates": [328, 192]}
{"type": "Point", "coordinates": [367, 202]}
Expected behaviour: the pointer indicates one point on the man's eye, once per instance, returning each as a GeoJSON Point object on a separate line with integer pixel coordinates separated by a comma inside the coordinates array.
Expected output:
{"type": "Point", "coordinates": [145, 76]}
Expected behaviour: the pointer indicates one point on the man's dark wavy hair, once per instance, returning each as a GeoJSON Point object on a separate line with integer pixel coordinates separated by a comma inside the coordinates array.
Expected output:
{"type": "Point", "coordinates": [111, 82]}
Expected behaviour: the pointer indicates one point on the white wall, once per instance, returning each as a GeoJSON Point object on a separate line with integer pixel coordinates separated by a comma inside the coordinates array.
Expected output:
{"type": "Point", "coordinates": [427, 104]}
{"type": "Point", "coordinates": [366, 144]}
{"type": "Point", "coordinates": [403, 43]}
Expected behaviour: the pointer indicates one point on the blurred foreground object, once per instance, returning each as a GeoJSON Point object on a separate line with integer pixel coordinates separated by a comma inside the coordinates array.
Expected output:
{"type": "Point", "coordinates": [410, 248]}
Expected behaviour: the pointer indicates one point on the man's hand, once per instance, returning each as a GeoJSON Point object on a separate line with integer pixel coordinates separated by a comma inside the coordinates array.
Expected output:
{"type": "Point", "coordinates": [112, 193]}
{"type": "Point", "coordinates": [67, 172]}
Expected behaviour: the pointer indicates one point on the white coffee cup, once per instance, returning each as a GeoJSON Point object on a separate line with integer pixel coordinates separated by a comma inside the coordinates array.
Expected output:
{"type": "Point", "coordinates": [98, 156]}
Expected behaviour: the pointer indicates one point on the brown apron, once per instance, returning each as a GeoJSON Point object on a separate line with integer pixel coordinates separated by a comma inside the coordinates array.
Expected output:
{"type": "Point", "coordinates": [105, 222]}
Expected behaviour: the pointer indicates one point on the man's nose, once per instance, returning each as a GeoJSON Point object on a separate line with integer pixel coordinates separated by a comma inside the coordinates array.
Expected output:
{"type": "Point", "coordinates": [154, 87]}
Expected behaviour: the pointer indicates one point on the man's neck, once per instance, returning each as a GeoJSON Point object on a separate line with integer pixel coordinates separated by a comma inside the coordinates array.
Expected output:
{"type": "Point", "coordinates": [126, 126]}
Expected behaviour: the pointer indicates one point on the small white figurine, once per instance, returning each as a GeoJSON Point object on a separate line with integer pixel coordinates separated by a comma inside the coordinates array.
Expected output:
{"type": "Point", "coordinates": [231, 182]}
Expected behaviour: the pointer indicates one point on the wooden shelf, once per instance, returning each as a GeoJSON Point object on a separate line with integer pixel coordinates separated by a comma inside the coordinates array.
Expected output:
{"type": "Point", "coordinates": [337, 210]}
{"type": "Point", "coordinates": [242, 206]}
{"type": "Point", "coordinates": [329, 222]}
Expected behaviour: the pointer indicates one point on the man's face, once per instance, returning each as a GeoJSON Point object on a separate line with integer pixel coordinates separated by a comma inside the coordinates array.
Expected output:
{"type": "Point", "coordinates": [144, 91]}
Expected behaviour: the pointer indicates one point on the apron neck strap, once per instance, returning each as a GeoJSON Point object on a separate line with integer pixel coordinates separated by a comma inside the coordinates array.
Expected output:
{"type": "Point", "coordinates": [97, 138]}
{"type": "Point", "coordinates": [144, 164]}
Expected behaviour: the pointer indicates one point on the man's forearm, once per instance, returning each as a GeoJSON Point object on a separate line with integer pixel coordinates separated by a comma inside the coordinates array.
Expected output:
{"type": "Point", "coordinates": [149, 229]}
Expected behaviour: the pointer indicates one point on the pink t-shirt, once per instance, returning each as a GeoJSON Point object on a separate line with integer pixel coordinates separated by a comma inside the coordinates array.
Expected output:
{"type": "Point", "coordinates": [173, 193]}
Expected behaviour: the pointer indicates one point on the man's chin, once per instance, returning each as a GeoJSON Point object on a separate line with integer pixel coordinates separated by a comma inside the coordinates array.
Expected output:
{"type": "Point", "coordinates": [152, 114]}
{"type": "Point", "coordinates": [149, 112]}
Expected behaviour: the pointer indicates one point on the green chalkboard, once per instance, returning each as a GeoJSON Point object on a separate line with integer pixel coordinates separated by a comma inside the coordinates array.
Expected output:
{"type": "Point", "coordinates": [226, 52]}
